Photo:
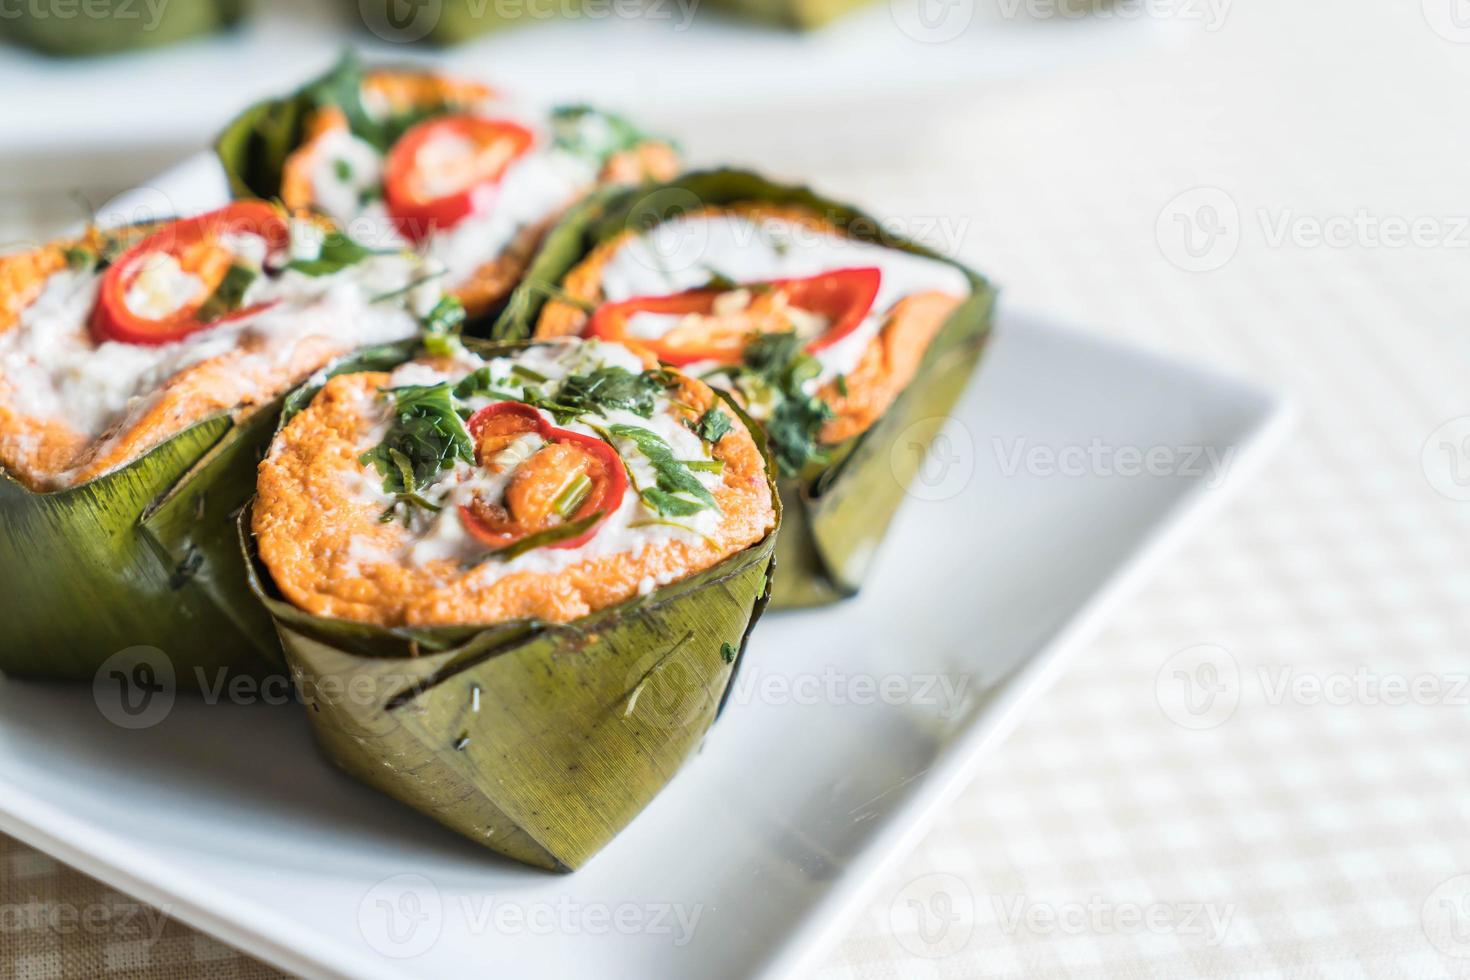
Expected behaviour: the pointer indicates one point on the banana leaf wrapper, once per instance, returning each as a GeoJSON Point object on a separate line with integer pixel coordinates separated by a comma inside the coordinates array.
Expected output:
{"type": "Point", "coordinates": [108, 26]}
{"type": "Point", "coordinates": [142, 556]}
{"type": "Point", "coordinates": [798, 14]}
{"type": "Point", "coordinates": [540, 741]}
{"type": "Point", "coordinates": [253, 146]}
{"type": "Point", "coordinates": [836, 513]}
{"type": "Point", "coordinates": [453, 21]}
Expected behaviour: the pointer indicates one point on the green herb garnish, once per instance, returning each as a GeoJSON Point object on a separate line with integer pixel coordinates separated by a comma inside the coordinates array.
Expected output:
{"type": "Point", "coordinates": [776, 364]}
{"type": "Point", "coordinates": [673, 476]}
{"type": "Point", "coordinates": [442, 326]}
{"type": "Point", "coordinates": [666, 504]}
{"type": "Point", "coordinates": [425, 438]}
{"type": "Point", "coordinates": [228, 296]}
{"type": "Point", "coordinates": [793, 429]}
{"type": "Point", "coordinates": [593, 134]}
{"type": "Point", "coordinates": [728, 652]}
{"type": "Point", "coordinates": [79, 259]}
{"type": "Point", "coordinates": [337, 253]}
{"type": "Point", "coordinates": [712, 425]}
{"type": "Point", "coordinates": [526, 374]}
{"type": "Point", "coordinates": [342, 169]}
{"type": "Point", "coordinates": [572, 496]}
{"type": "Point", "coordinates": [614, 388]}
{"type": "Point", "coordinates": [541, 539]}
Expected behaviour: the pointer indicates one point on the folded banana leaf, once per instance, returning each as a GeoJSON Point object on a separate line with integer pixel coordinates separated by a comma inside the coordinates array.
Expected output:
{"type": "Point", "coordinates": [540, 741]}
{"type": "Point", "coordinates": [255, 144]}
{"type": "Point", "coordinates": [836, 515]}
{"type": "Point", "coordinates": [107, 26]}
{"type": "Point", "coordinates": [142, 556]}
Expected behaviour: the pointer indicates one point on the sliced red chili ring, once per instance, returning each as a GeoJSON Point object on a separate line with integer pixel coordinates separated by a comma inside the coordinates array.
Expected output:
{"type": "Point", "coordinates": [418, 206]}
{"type": "Point", "coordinates": [194, 244]}
{"type": "Point", "coordinates": [604, 468]}
{"type": "Point", "coordinates": [843, 296]}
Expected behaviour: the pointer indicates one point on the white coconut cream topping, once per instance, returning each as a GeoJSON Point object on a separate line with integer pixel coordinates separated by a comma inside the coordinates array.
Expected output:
{"type": "Point", "coordinates": [52, 366]}
{"type": "Point", "coordinates": [347, 174]}
{"type": "Point", "coordinates": [686, 252]}
{"type": "Point", "coordinates": [629, 530]}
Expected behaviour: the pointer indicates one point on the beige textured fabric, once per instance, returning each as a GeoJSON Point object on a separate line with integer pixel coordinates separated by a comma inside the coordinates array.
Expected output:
{"type": "Point", "coordinates": [1281, 832]}
{"type": "Point", "coordinates": [56, 922]}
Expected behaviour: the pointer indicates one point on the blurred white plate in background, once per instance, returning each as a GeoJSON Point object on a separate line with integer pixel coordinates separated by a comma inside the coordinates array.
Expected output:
{"type": "Point", "coordinates": [658, 64]}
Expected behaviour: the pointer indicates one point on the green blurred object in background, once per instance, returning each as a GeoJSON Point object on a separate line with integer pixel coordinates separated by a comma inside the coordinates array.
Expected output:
{"type": "Point", "coordinates": [452, 21]}
{"type": "Point", "coordinates": [800, 14]}
{"type": "Point", "coordinates": [88, 27]}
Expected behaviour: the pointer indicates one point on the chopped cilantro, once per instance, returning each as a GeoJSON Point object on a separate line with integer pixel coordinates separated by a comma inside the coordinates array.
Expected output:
{"type": "Point", "coordinates": [778, 363]}
{"type": "Point", "coordinates": [425, 438]}
{"type": "Point", "coordinates": [614, 388]}
{"type": "Point", "coordinates": [712, 425]}
{"type": "Point", "coordinates": [342, 169]}
{"type": "Point", "coordinates": [793, 428]}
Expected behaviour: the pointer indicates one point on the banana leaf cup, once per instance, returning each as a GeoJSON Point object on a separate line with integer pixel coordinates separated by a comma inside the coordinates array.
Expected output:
{"type": "Point", "coordinates": [111, 26]}
{"type": "Point", "coordinates": [538, 740]}
{"type": "Point", "coordinates": [837, 508]}
{"type": "Point", "coordinates": [454, 21]}
{"type": "Point", "coordinates": [143, 556]}
{"type": "Point", "coordinates": [127, 539]}
{"type": "Point", "coordinates": [798, 14]}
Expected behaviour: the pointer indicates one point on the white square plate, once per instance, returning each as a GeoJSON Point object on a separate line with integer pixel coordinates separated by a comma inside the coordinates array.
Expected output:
{"type": "Point", "coordinates": [838, 740]}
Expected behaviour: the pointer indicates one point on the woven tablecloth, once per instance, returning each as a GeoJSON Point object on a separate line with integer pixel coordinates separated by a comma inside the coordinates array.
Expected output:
{"type": "Point", "coordinates": [1260, 767]}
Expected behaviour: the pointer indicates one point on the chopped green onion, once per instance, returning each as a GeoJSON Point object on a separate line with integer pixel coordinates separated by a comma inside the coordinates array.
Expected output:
{"type": "Point", "coordinates": [534, 377]}
{"type": "Point", "coordinates": [573, 495]}
{"type": "Point", "coordinates": [541, 538]}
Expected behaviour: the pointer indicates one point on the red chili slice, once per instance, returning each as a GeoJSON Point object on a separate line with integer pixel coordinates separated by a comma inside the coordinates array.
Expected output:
{"type": "Point", "coordinates": [419, 211]}
{"type": "Point", "coordinates": [604, 469]}
{"type": "Point", "coordinates": [844, 296]}
{"type": "Point", "coordinates": [194, 244]}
